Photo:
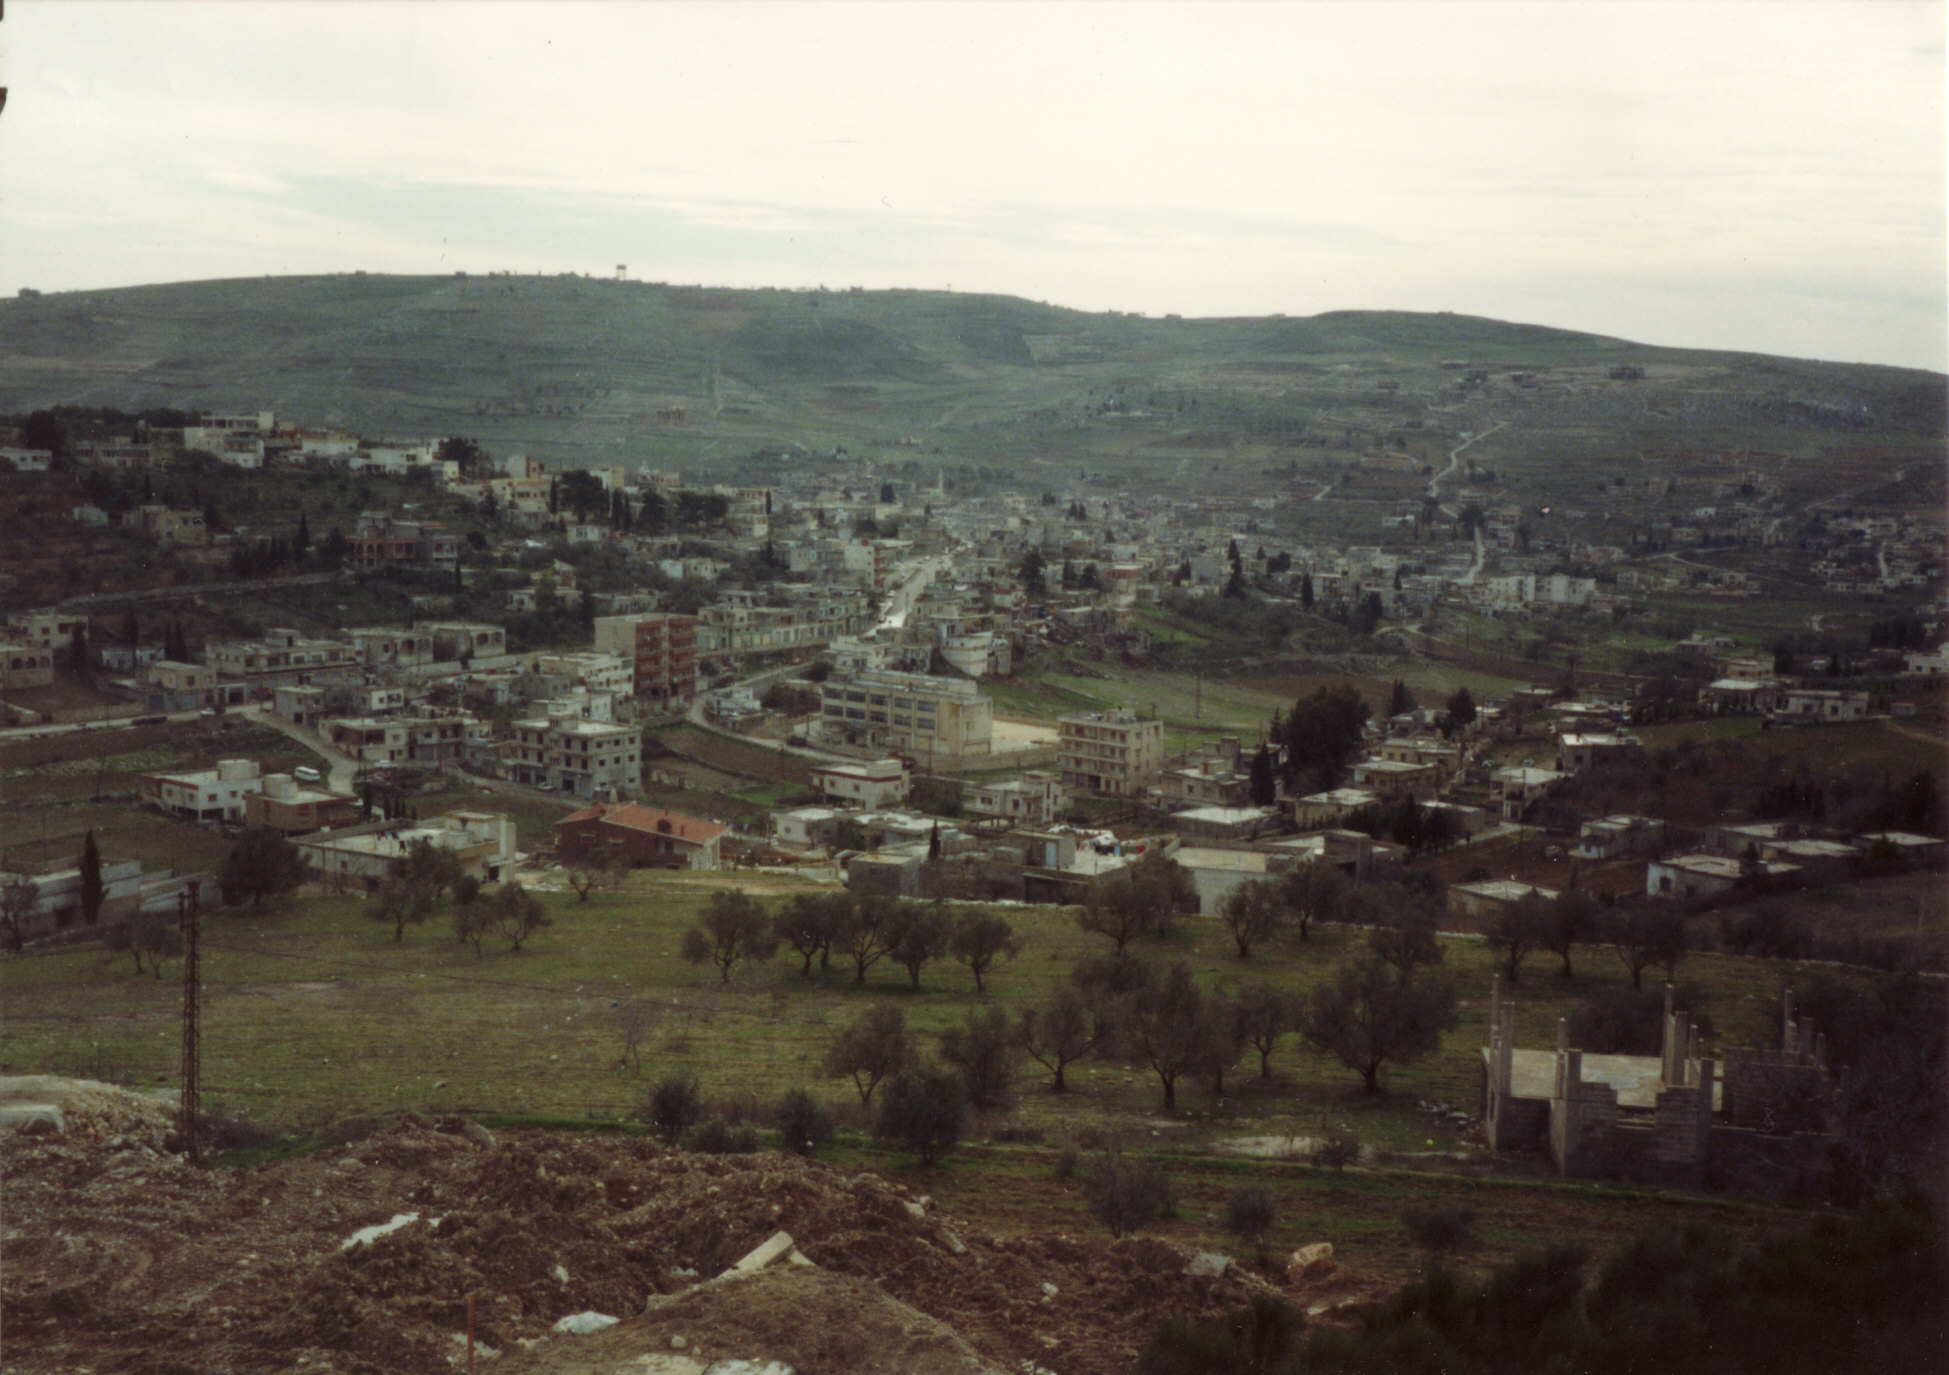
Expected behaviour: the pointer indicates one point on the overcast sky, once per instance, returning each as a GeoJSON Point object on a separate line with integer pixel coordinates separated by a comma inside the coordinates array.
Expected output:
{"type": "Point", "coordinates": [1765, 176]}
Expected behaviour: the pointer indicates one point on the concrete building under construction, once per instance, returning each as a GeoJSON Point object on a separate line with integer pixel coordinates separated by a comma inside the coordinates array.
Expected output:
{"type": "Point", "coordinates": [1753, 1119]}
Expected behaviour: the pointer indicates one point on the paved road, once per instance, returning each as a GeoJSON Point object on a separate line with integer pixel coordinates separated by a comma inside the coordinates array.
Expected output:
{"type": "Point", "coordinates": [344, 768]}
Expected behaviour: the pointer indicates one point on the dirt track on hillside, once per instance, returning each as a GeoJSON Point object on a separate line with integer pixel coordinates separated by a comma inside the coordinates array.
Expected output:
{"type": "Point", "coordinates": [120, 1256]}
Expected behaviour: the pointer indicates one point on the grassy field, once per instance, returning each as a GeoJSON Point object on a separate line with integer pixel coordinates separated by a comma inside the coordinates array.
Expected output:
{"type": "Point", "coordinates": [314, 1012]}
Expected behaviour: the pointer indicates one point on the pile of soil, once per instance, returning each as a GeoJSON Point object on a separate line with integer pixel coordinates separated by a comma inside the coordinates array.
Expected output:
{"type": "Point", "coordinates": [119, 1255]}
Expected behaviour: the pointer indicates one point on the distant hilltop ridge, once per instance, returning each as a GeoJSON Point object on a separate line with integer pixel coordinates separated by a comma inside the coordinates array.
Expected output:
{"type": "Point", "coordinates": [581, 368]}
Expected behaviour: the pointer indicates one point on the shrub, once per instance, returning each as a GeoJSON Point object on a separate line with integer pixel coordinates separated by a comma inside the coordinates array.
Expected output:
{"type": "Point", "coordinates": [1439, 1230]}
{"type": "Point", "coordinates": [1249, 1214]}
{"type": "Point", "coordinates": [1126, 1193]}
{"type": "Point", "coordinates": [718, 1137]}
{"type": "Point", "coordinates": [674, 1106]}
{"type": "Point", "coordinates": [1337, 1152]}
{"type": "Point", "coordinates": [804, 1124]}
{"type": "Point", "coordinates": [924, 1111]}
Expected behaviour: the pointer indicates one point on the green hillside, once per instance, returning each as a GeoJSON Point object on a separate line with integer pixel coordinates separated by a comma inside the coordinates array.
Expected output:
{"type": "Point", "coordinates": [579, 370]}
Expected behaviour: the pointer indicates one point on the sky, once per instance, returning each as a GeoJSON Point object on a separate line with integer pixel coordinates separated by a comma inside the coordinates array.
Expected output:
{"type": "Point", "coordinates": [1760, 175]}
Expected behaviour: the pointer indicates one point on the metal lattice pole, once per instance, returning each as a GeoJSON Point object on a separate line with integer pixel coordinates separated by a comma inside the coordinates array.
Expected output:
{"type": "Point", "coordinates": [192, 1110]}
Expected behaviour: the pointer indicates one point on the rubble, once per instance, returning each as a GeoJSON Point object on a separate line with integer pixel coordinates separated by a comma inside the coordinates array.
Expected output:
{"type": "Point", "coordinates": [119, 1255]}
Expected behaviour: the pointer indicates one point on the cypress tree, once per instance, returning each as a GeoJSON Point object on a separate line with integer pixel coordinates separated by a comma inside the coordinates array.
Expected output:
{"type": "Point", "coordinates": [91, 880]}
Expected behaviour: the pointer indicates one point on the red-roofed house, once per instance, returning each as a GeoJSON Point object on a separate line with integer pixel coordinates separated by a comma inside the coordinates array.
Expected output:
{"type": "Point", "coordinates": [639, 837]}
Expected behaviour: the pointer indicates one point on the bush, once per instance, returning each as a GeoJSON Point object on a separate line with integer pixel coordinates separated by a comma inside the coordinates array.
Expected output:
{"type": "Point", "coordinates": [674, 1107]}
{"type": "Point", "coordinates": [1439, 1230]}
{"type": "Point", "coordinates": [1067, 1159]}
{"type": "Point", "coordinates": [804, 1124]}
{"type": "Point", "coordinates": [1337, 1152]}
{"type": "Point", "coordinates": [1126, 1193]}
{"type": "Point", "coordinates": [924, 1111]}
{"type": "Point", "coordinates": [1249, 1214]}
{"type": "Point", "coordinates": [1258, 1339]}
{"type": "Point", "coordinates": [718, 1137]}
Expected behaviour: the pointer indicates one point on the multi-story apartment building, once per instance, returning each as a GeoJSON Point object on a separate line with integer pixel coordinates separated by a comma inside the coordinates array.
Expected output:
{"type": "Point", "coordinates": [585, 758]}
{"type": "Point", "coordinates": [382, 542]}
{"type": "Point", "coordinates": [281, 657]}
{"type": "Point", "coordinates": [662, 646]}
{"type": "Point", "coordinates": [372, 742]}
{"type": "Point", "coordinates": [480, 646]}
{"type": "Point", "coordinates": [872, 783]}
{"type": "Point", "coordinates": [46, 629]}
{"type": "Point", "coordinates": [25, 666]}
{"type": "Point", "coordinates": [733, 626]}
{"type": "Point", "coordinates": [1111, 752]}
{"type": "Point", "coordinates": [931, 719]}
{"type": "Point", "coordinates": [607, 674]}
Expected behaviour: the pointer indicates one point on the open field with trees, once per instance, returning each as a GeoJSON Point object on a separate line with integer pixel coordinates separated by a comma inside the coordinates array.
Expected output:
{"type": "Point", "coordinates": [313, 1015]}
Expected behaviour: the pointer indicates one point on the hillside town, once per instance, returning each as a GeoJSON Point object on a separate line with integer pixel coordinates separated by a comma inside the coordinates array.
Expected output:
{"type": "Point", "coordinates": [859, 618]}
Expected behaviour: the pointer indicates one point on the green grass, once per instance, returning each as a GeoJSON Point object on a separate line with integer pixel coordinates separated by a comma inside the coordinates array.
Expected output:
{"type": "Point", "coordinates": [315, 1013]}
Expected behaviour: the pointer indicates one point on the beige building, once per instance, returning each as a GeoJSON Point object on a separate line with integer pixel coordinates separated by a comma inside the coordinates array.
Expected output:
{"type": "Point", "coordinates": [25, 666]}
{"type": "Point", "coordinates": [357, 857]}
{"type": "Point", "coordinates": [584, 758]}
{"type": "Point", "coordinates": [45, 629]}
{"type": "Point", "coordinates": [1110, 752]}
{"type": "Point", "coordinates": [935, 720]}
{"type": "Point", "coordinates": [872, 784]}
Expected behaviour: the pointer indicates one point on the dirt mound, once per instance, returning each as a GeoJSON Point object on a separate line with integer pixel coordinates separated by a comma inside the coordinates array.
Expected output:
{"type": "Point", "coordinates": [814, 1321]}
{"type": "Point", "coordinates": [120, 1256]}
{"type": "Point", "coordinates": [93, 1111]}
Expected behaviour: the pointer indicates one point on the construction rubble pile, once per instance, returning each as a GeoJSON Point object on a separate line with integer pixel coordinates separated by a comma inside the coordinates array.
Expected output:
{"type": "Point", "coordinates": [581, 1253]}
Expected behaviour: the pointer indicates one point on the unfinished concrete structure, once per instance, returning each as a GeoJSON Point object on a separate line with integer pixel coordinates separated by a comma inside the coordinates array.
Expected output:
{"type": "Point", "coordinates": [1673, 1118]}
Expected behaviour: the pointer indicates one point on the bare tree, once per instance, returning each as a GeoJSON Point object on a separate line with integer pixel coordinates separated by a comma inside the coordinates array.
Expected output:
{"type": "Point", "coordinates": [636, 1018]}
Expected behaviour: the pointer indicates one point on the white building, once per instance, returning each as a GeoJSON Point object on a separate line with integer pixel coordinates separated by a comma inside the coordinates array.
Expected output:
{"type": "Point", "coordinates": [872, 784]}
{"type": "Point", "coordinates": [206, 795]}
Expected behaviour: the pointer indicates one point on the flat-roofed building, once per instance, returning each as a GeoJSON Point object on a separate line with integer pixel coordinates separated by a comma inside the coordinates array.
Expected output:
{"type": "Point", "coordinates": [661, 647]}
{"type": "Point", "coordinates": [1488, 899]}
{"type": "Point", "coordinates": [1583, 750]}
{"type": "Point", "coordinates": [205, 794]}
{"type": "Point", "coordinates": [872, 783]}
{"type": "Point", "coordinates": [371, 741]}
{"type": "Point", "coordinates": [1112, 752]}
{"type": "Point", "coordinates": [286, 805]}
{"type": "Point", "coordinates": [582, 758]}
{"type": "Point", "coordinates": [45, 629]}
{"type": "Point", "coordinates": [357, 857]}
{"type": "Point", "coordinates": [1035, 799]}
{"type": "Point", "coordinates": [26, 666]}
{"type": "Point", "coordinates": [1703, 876]}
{"type": "Point", "coordinates": [935, 720]}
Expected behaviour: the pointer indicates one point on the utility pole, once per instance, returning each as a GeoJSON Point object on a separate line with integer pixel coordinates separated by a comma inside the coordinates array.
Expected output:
{"type": "Point", "coordinates": [192, 1109]}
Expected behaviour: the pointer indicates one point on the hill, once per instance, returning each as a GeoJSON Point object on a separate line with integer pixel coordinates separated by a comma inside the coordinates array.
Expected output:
{"type": "Point", "coordinates": [583, 371]}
